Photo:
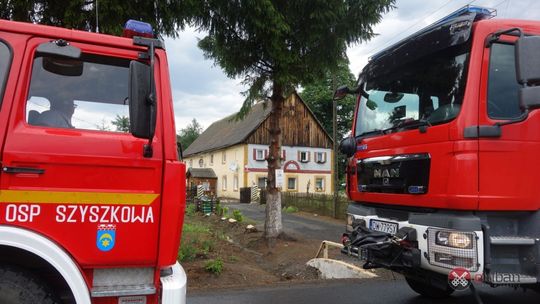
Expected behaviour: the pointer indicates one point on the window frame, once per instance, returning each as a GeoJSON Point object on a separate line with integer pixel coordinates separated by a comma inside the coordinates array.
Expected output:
{"type": "Point", "coordinates": [304, 160]}
{"type": "Point", "coordinates": [323, 188]}
{"type": "Point", "coordinates": [295, 178]}
{"type": "Point", "coordinates": [224, 183]}
{"type": "Point", "coordinates": [4, 78]}
{"type": "Point", "coordinates": [323, 157]}
{"type": "Point", "coordinates": [256, 152]}
{"type": "Point", "coordinates": [92, 56]}
{"type": "Point", "coordinates": [489, 83]}
{"type": "Point", "coordinates": [236, 183]}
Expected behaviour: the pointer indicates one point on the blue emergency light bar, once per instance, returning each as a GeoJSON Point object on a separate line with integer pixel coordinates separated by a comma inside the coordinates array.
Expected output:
{"type": "Point", "coordinates": [481, 13]}
{"type": "Point", "coordinates": [138, 28]}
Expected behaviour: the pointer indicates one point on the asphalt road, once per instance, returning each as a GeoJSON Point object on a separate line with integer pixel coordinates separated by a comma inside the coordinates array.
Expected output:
{"type": "Point", "coordinates": [295, 225]}
{"type": "Point", "coordinates": [354, 291]}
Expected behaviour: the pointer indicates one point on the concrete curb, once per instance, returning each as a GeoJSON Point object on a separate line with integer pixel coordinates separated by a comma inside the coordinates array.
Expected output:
{"type": "Point", "coordinates": [334, 269]}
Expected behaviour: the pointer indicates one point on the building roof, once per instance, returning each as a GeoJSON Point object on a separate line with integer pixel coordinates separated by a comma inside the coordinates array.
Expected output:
{"type": "Point", "coordinates": [201, 173]}
{"type": "Point", "coordinates": [228, 132]}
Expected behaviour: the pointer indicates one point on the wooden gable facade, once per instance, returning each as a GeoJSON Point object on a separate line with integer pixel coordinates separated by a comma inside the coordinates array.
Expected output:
{"type": "Point", "coordinates": [299, 127]}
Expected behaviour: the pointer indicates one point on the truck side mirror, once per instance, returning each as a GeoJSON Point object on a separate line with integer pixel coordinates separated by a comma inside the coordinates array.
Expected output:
{"type": "Point", "coordinates": [348, 146]}
{"type": "Point", "coordinates": [341, 92]}
{"type": "Point", "coordinates": [142, 119]}
{"type": "Point", "coordinates": [528, 71]}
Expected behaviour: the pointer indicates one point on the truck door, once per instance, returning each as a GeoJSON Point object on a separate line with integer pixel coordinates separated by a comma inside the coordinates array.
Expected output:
{"type": "Point", "coordinates": [507, 160]}
{"type": "Point", "coordinates": [11, 50]}
{"type": "Point", "coordinates": [71, 170]}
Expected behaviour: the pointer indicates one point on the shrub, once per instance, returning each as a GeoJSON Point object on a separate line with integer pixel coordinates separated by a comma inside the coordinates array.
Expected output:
{"type": "Point", "coordinates": [225, 212]}
{"type": "Point", "coordinates": [237, 215]}
{"type": "Point", "coordinates": [290, 209]}
{"type": "Point", "coordinates": [214, 266]}
{"type": "Point", "coordinates": [191, 209]}
{"type": "Point", "coordinates": [187, 252]}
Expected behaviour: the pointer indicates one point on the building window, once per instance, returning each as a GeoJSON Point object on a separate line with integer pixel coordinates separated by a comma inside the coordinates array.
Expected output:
{"type": "Point", "coordinates": [206, 186]}
{"type": "Point", "coordinates": [261, 182]}
{"type": "Point", "coordinates": [320, 157]}
{"type": "Point", "coordinates": [235, 183]}
{"type": "Point", "coordinates": [201, 163]}
{"type": "Point", "coordinates": [291, 183]}
{"type": "Point", "coordinates": [303, 156]}
{"type": "Point", "coordinates": [224, 182]}
{"type": "Point", "coordinates": [191, 163]}
{"type": "Point", "coordinates": [211, 159]}
{"type": "Point", "coordinates": [223, 157]}
{"type": "Point", "coordinates": [319, 184]}
{"type": "Point", "coordinates": [258, 154]}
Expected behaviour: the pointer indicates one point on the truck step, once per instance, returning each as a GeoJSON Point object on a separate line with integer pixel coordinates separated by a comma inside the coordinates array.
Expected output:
{"type": "Point", "coordinates": [501, 278]}
{"type": "Point", "coordinates": [124, 290]}
{"type": "Point", "coordinates": [511, 240]}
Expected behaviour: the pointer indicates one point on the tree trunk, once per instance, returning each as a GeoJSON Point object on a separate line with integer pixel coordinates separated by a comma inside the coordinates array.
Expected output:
{"type": "Point", "coordinates": [272, 224]}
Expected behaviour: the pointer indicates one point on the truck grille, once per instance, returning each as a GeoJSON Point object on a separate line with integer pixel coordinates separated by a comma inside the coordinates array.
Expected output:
{"type": "Point", "coordinates": [405, 173]}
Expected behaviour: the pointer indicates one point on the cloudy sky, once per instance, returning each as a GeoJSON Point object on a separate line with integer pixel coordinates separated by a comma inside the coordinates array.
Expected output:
{"type": "Point", "coordinates": [202, 91]}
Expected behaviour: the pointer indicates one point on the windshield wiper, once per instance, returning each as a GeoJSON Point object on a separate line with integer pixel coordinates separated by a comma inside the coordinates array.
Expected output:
{"type": "Point", "coordinates": [409, 124]}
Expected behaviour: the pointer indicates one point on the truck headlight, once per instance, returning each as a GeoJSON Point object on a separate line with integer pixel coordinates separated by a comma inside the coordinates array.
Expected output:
{"type": "Point", "coordinates": [454, 239]}
{"type": "Point", "coordinates": [451, 248]}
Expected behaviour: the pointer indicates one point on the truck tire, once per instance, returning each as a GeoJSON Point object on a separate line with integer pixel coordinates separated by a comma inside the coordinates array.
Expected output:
{"type": "Point", "coordinates": [428, 290]}
{"type": "Point", "coordinates": [18, 286]}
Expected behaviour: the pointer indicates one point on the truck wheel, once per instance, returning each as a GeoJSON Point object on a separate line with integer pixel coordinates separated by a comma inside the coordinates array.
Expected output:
{"type": "Point", "coordinates": [18, 286]}
{"type": "Point", "coordinates": [428, 290]}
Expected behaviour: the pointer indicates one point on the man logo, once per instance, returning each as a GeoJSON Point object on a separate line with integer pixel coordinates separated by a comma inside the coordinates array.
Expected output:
{"type": "Point", "coordinates": [388, 173]}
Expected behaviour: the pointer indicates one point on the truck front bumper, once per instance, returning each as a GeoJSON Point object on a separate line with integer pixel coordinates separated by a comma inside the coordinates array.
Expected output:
{"type": "Point", "coordinates": [173, 286]}
{"type": "Point", "coordinates": [424, 251]}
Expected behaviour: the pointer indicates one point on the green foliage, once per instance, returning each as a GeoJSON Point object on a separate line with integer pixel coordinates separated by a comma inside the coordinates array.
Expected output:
{"type": "Point", "coordinates": [237, 215]}
{"type": "Point", "coordinates": [191, 210]}
{"type": "Point", "coordinates": [290, 209]}
{"type": "Point", "coordinates": [165, 16]}
{"type": "Point", "coordinates": [121, 123]}
{"type": "Point", "coordinates": [190, 133]}
{"type": "Point", "coordinates": [225, 212]}
{"type": "Point", "coordinates": [195, 228]}
{"type": "Point", "coordinates": [277, 45]}
{"type": "Point", "coordinates": [207, 246]}
{"type": "Point", "coordinates": [187, 252]}
{"type": "Point", "coordinates": [214, 266]}
{"type": "Point", "coordinates": [318, 96]}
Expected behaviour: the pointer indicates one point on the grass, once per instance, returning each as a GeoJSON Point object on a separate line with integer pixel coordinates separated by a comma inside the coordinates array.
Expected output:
{"type": "Point", "coordinates": [195, 228]}
{"type": "Point", "coordinates": [214, 266]}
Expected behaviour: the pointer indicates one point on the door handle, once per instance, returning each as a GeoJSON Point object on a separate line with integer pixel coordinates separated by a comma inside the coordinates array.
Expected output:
{"type": "Point", "coordinates": [16, 170]}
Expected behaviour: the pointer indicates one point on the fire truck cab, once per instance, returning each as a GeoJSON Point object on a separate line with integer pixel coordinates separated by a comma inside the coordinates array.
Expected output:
{"type": "Point", "coordinates": [444, 155]}
{"type": "Point", "coordinates": [92, 191]}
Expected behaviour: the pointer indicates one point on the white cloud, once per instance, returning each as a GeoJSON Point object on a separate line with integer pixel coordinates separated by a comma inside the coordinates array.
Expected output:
{"type": "Point", "coordinates": [202, 91]}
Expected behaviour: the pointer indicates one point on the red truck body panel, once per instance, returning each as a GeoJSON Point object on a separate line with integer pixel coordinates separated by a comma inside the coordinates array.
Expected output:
{"type": "Point", "coordinates": [467, 174]}
{"type": "Point", "coordinates": [91, 177]}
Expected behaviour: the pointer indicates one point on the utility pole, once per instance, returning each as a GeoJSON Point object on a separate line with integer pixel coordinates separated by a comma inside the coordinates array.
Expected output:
{"type": "Point", "coordinates": [334, 136]}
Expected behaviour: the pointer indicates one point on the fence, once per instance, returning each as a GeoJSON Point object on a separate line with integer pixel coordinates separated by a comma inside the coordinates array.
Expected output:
{"type": "Point", "coordinates": [321, 204]}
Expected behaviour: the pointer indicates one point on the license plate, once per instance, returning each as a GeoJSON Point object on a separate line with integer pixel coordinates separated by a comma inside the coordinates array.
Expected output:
{"type": "Point", "coordinates": [382, 226]}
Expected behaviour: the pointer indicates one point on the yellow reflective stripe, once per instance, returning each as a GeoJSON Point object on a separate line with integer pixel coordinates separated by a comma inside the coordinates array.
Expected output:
{"type": "Point", "coordinates": [76, 198]}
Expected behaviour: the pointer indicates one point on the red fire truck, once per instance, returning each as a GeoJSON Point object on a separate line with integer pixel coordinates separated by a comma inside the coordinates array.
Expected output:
{"type": "Point", "coordinates": [92, 192]}
{"type": "Point", "coordinates": [443, 155]}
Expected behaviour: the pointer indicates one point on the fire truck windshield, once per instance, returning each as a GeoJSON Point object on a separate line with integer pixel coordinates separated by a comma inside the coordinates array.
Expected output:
{"type": "Point", "coordinates": [427, 91]}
